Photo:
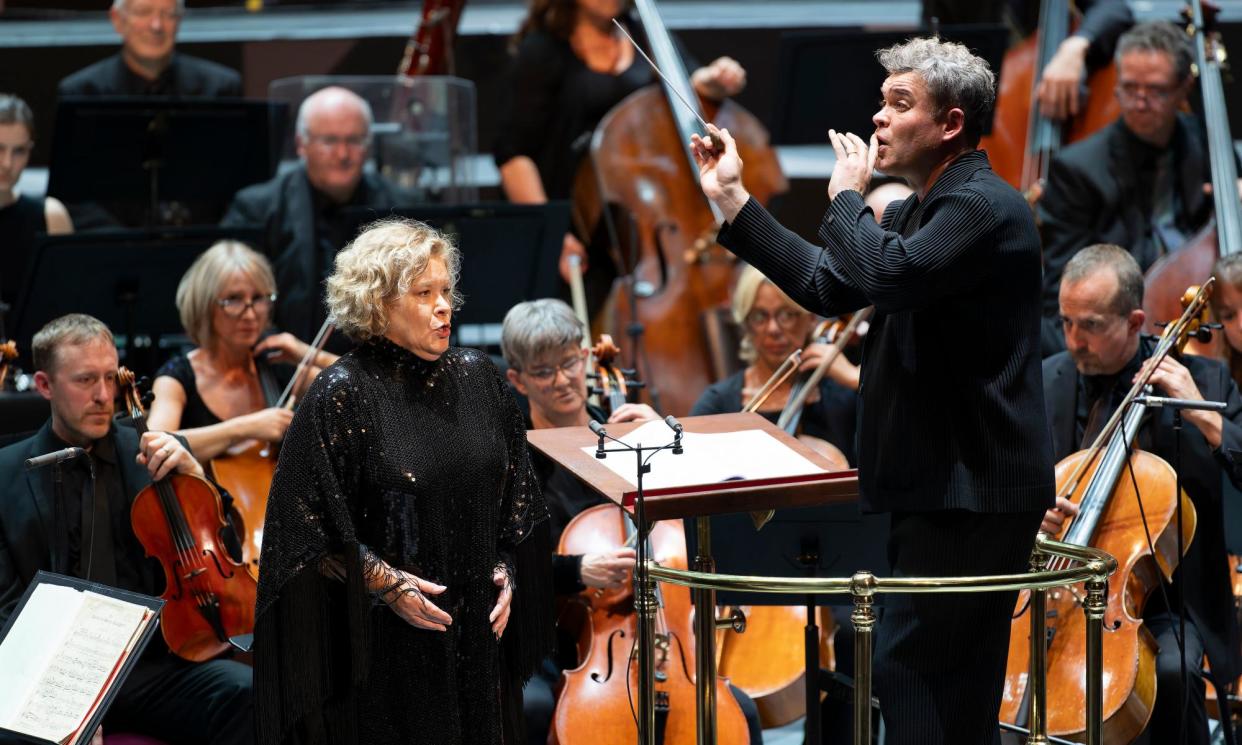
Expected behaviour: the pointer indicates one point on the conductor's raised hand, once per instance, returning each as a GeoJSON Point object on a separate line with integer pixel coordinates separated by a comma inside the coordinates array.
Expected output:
{"type": "Point", "coordinates": [409, 600]}
{"type": "Point", "coordinates": [855, 163]}
{"type": "Point", "coordinates": [720, 170]}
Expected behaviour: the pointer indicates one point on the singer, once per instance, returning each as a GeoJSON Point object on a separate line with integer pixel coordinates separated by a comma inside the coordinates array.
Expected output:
{"type": "Point", "coordinates": [87, 525]}
{"type": "Point", "coordinates": [1101, 302]}
{"type": "Point", "coordinates": [406, 590]}
{"type": "Point", "coordinates": [955, 446]}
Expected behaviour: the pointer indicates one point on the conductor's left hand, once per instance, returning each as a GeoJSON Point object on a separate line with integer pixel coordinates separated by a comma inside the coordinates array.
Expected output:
{"type": "Point", "coordinates": [855, 163]}
{"type": "Point", "coordinates": [722, 79]}
{"type": "Point", "coordinates": [720, 171]}
{"type": "Point", "coordinates": [499, 617]}
{"type": "Point", "coordinates": [164, 454]}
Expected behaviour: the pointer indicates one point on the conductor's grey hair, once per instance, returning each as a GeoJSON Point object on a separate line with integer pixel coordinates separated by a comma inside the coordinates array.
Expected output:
{"type": "Point", "coordinates": [308, 105]}
{"type": "Point", "coordinates": [954, 77]}
{"type": "Point", "coordinates": [1159, 36]}
{"type": "Point", "coordinates": [535, 328]}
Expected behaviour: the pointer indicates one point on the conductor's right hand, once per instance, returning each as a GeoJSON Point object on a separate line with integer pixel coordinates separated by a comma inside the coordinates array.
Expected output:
{"type": "Point", "coordinates": [1054, 519]}
{"type": "Point", "coordinates": [720, 171]}
{"type": "Point", "coordinates": [266, 425]}
{"type": "Point", "coordinates": [410, 601]}
{"type": "Point", "coordinates": [571, 246]}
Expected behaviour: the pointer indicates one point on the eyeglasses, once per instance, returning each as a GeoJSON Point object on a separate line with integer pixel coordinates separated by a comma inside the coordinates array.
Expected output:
{"type": "Point", "coordinates": [235, 306]}
{"type": "Point", "coordinates": [545, 375]}
{"type": "Point", "coordinates": [19, 151]}
{"type": "Point", "coordinates": [146, 13]}
{"type": "Point", "coordinates": [330, 142]}
{"type": "Point", "coordinates": [1129, 93]}
{"type": "Point", "coordinates": [786, 318]}
{"type": "Point", "coordinates": [1090, 326]}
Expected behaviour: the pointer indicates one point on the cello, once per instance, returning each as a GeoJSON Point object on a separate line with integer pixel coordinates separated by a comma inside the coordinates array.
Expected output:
{"type": "Point", "coordinates": [672, 270]}
{"type": "Point", "coordinates": [179, 520]}
{"type": "Point", "coordinates": [1106, 481]}
{"type": "Point", "coordinates": [1023, 140]}
{"type": "Point", "coordinates": [1222, 236]}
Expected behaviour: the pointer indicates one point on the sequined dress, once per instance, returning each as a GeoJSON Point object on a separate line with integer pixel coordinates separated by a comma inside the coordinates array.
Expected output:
{"type": "Point", "coordinates": [421, 466]}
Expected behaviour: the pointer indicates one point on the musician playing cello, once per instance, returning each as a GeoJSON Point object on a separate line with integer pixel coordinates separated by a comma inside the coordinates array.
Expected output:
{"type": "Point", "coordinates": [1101, 300]}
{"type": "Point", "coordinates": [954, 446]}
{"type": "Point", "coordinates": [165, 696]}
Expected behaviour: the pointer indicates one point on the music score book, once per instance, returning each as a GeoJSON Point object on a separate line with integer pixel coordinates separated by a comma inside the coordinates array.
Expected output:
{"type": "Point", "coordinates": [65, 653]}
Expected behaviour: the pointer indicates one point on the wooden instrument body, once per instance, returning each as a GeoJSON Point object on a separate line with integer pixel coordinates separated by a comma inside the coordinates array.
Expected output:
{"type": "Point", "coordinates": [639, 162]}
{"type": "Point", "coordinates": [1129, 649]}
{"type": "Point", "coordinates": [247, 476]}
{"type": "Point", "coordinates": [1190, 265]}
{"type": "Point", "coordinates": [202, 580]}
{"type": "Point", "coordinates": [598, 699]}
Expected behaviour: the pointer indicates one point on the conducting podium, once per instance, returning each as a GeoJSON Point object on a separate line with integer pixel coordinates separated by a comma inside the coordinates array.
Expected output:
{"type": "Point", "coordinates": [692, 469]}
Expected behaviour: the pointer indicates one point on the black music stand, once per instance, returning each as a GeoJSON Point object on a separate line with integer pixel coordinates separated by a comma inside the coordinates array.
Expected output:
{"type": "Point", "coordinates": [159, 161]}
{"type": "Point", "coordinates": [813, 94]}
{"type": "Point", "coordinates": [509, 253]}
{"type": "Point", "coordinates": [127, 279]}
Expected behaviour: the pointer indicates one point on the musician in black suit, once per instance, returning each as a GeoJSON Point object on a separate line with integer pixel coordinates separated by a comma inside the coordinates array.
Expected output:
{"type": "Point", "coordinates": [1137, 183]}
{"type": "Point", "coordinates": [147, 64]}
{"type": "Point", "coordinates": [955, 446]}
{"type": "Point", "coordinates": [1101, 300]}
{"type": "Point", "coordinates": [91, 535]}
{"type": "Point", "coordinates": [303, 212]}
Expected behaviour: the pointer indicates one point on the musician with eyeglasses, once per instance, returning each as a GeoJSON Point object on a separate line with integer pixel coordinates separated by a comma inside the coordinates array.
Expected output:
{"type": "Point", "coordinates": [304, 212]}
{"type": "Point", "coordinates": [1138, 183]}
{"type": "Point", "coordinates": [148, 64]}
{"type": "Point", "coordinates": [221, 393]}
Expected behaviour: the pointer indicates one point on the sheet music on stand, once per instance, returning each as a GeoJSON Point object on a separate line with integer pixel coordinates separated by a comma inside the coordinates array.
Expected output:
{"type": "Point", "coordinates": [65, 653]}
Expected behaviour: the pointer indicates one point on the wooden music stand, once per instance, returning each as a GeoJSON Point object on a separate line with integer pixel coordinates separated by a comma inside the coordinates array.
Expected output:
{"type": "Point", "coordinates": [565, 445]}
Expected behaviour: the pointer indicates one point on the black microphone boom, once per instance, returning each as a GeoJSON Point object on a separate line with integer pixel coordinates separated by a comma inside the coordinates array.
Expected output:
{"type": "Point", "coordinates": [58, 456]}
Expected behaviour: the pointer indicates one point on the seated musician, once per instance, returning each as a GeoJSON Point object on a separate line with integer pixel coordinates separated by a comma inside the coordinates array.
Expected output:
{"type": "Point", "coordinates": [148, 64]}
{"type": "Point", "coordinates": [1138, 183]}
{"type": "Point", "coordinates": [22, 217]}
{"type": "Point", "coordinates": [300, 211]}
{"type": "Point", "coordinates": [1101, 298]}
{"type": "Point", "coordinates": [542, 342]}
{"type": "Point", "coordinates": [773, 326]}
{"type": "Point", "coordinates": [223, 392]}
{"type": "Point", "coordinates": [165, 696]}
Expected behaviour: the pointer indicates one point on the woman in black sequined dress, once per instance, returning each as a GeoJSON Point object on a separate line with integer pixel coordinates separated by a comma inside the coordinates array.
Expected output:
{"type": "Point", "coordinates": [405, 584]}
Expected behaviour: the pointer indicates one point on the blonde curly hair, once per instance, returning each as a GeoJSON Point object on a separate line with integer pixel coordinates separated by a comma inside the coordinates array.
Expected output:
{"type": "Point", "coordinates": [378, 267]}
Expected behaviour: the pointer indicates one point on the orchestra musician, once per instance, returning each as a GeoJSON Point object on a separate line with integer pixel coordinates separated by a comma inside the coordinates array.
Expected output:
{"type": "Point", "coordinates": [405, 591]}
{"type": "Point", "coordinates": [303, 212]}
{"type": "Point", "coordinates": [571, 65]}
{"type": "Point", "coordinates": [1089, 48]}
{"type": "Point", "coordinates": [1101, 301]}
{"type": "Point", "coordinates": [164, 696]}
{"type": "Point", "coordinates": [542, 342]}
{"type": "Point", "coordinates": [773, 326]}
{"type": "Point", "coordinates": [955, 447]}
{"type": "Point", "coordinates": [214, 396]}
{"type": "Point", "coordinates": [148, 64]}
{"type": "Point", "coordinates": [1139, 183]}
{"type": "Point", "coordinates": [22, 217]}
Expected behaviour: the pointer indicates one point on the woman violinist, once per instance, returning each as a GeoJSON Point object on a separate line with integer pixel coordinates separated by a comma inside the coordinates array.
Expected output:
{"type": "Point", "coordinates": [214, 395]}
{"type": "Point", "coordinates": [571, 66]}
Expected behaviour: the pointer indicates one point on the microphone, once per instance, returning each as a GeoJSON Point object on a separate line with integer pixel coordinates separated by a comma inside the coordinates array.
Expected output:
{"type": "Point", "coordinates": [601, 433]}
{"type": "Point", "coordinates": [1179, 403]}
{"type": "Point", "coordinates": [53, 458]}
{"type": "Point", "coordinates": [597, 428]}
{"type": "Point", "coordinates": [673, 424]}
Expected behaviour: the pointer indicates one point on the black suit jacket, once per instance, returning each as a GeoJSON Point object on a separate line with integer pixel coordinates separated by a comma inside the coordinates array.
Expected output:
{"type": "Point", "coordinates": [1092, 196]}
{"type": "Point", "coordinates": [27, 515]}
{"type": "Point", "coordinates": [940, 426]}
{"type": "Point", "coordinates": [186, 76]}
{"type": "Point", "coordinates": [1204, 571]}
{"type": "Point", "coordinates": [283, 208]}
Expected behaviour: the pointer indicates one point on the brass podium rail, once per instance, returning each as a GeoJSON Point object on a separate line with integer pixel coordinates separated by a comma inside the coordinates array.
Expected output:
{"type": "Point", "coordinates": [1094, 568]}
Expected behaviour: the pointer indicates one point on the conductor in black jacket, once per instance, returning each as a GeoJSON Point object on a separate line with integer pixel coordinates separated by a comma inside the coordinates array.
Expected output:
{"type": "Point", "coordinates": [147, 64]}
{"type": "Point", "coordinates": [1101, 300]}
{"type": "Point", "coordinates": [952, 440]}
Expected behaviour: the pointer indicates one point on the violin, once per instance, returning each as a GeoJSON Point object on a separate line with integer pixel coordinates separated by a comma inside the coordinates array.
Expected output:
{"type": "Point", "coordinates": [208, 596]}
{"type": "Point", "coordinates": [611, 384]}
{"type": "Point", "coordinates": [1106, 481]}
{"type": "Point", "coordinates": [598, 701]}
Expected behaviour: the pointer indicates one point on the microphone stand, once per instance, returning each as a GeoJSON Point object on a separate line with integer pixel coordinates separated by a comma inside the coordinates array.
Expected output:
{"type": "Point", "coordinates": [644, 595]}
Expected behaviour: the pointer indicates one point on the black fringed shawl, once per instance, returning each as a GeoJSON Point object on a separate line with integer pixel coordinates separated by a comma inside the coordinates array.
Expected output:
{"type": "Point", "coordinates": [421, 466]}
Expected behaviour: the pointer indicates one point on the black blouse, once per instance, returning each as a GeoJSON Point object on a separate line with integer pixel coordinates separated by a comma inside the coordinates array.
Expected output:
{"type": "Point", "coordinates": [196, 412]}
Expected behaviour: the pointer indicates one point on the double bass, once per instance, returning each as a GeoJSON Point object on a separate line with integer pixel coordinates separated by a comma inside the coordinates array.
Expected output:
{"type": "Point", "coordinates": [208, 596]}
{"type": "Point", "coordinates": [672, 270]}
{"type": "Point", "coordinates": [1023, 140]}
{"type": "Point", "coordinates": [1107, 481]}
